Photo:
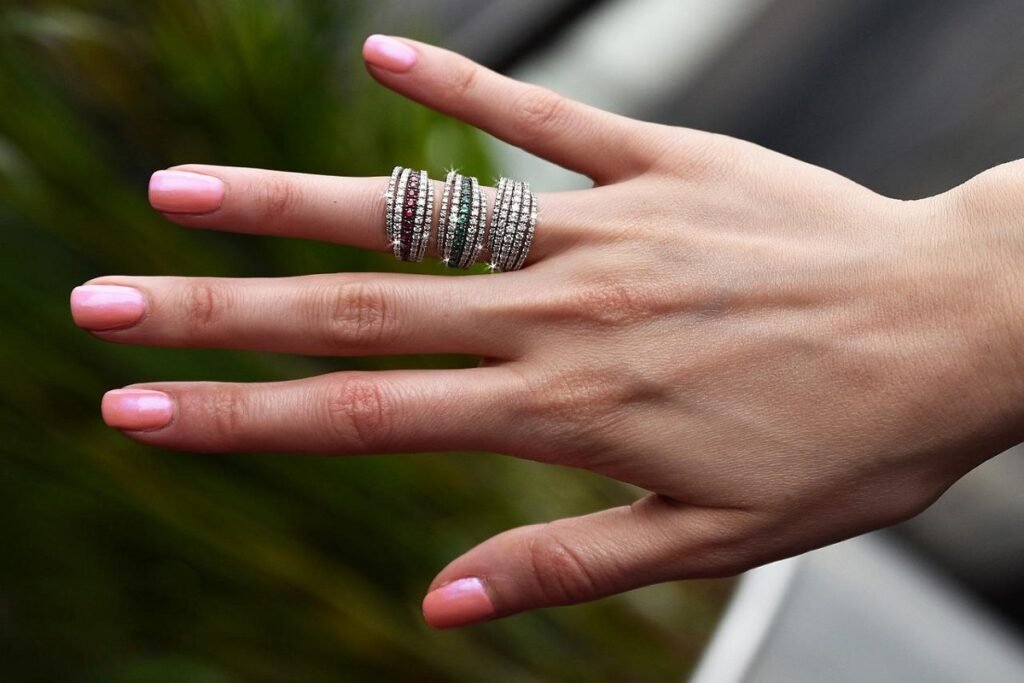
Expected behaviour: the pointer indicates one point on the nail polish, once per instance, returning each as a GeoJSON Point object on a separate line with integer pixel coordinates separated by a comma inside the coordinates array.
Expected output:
{"type": "Point", "coordinates": [136, 409]}
{"type": "Point", "coordinates": [106, 307]}
{"type": "Point", "coordinates": [463, 601]}
{"type": "Point", "coordinates": [185, 192]}
{"type": "Point", "coordinates": [389, 53]}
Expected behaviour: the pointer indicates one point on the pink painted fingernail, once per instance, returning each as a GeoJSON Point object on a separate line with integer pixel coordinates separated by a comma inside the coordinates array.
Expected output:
{"type": "Point", "coordinates": [105, 307]}
{"type": "Point", "coordinates": [136, 409]}
{"type": "Point", "coordinates": [389, 53]}
{"type": "Point", "coordinates": [459, 602]}
{"type": "Point", "coordinates": [184, 192]}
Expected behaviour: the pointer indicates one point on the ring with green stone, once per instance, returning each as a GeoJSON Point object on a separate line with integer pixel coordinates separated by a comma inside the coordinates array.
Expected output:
{"type": "Point", "coordinates": [463, 217]}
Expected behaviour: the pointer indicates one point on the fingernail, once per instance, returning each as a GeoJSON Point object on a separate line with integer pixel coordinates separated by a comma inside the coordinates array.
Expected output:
{"type": "Point", "coordinates": [105, 307]}
{"type": "Point", "coordinates": [459, 602]}
{"type": "Point", "coordinates": [389, 53]}
{"type": "Point", "coordinates": [184, 192]}
{"type": "Point", "coordinates": [136, 409]}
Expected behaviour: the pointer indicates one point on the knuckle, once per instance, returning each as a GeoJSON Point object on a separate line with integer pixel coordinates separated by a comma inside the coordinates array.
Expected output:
{"type": "Point", "coordinates": [538, 109]}
{"type": "Point", "coordinates": [557, 397]}
{"type": "Point", "coordinates": [731, 552]}
{"type": "Point", "coordinates": [700, 157]}
{"type": "Point", "coordinates": [277, 197]}
{"type": "Point", "coordinates": [714, 156]}
{"type": "Point", "coordinates": [611, 304]}
{"type": "Point", "coordinates": [565, 398]}
{"type": "Point", "coordinates": [724, 562]}
{"type": "Point", "coordinates": [560, 569]}
{"type": "Point", "coordinates": [607, 299]}
{"type": "Point", "coordinates": [462, 80]}
{"type": "Point", "coordinates": [992, 195]}
{"type": "Point", "coordinates": [908, 499]}
{"type": "Point", "coordinates": [205, 301]}
{"type": "Point", "coordinates": [227, 410]}
{"type": "Point", "coordinates": [358, 315]}
{"type": "Point", "coordinates": [360, 414]}
{"type": "Point", "coordinates": [713, 542]}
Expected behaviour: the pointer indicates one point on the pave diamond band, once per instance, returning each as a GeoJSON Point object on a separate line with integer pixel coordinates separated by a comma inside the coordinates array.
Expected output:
{"type": "Point", "coordinates": [463, 217]}
{"type": "Point", "coordinates": [463, 225]}
{"type": "Point", "coordinates": [409, 213]}
{"type": "Point", "coordinates": [513, 223]}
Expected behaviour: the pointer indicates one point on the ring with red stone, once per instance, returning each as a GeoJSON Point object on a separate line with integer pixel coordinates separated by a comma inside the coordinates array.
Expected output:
{"type": "Point", "coordinates": [409, 212]}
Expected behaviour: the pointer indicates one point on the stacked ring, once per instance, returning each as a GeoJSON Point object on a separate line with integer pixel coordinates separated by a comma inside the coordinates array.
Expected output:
{"type": "Point", "coordinates": [409, 213]}
{"type": "Point", "coordinates": [512, 224]}
{"type": "Point", "coordinates": [463, 217]}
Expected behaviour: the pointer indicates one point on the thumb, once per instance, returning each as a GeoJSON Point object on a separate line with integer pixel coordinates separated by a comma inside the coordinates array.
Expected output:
{"type": "Point", "coordinates": [578, 559]}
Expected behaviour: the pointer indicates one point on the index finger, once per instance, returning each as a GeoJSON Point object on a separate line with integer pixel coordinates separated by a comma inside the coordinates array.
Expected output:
{"type": "Point", "coordinates": [594, 142]}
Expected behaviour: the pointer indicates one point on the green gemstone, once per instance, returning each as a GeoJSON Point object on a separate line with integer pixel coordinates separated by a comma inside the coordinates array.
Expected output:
{"type": "Point", "coordinates": [462, 221]}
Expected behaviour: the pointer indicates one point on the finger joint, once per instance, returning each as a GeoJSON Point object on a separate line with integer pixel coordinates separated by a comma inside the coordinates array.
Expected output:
{"type": "Point", "coordinates": [538, 110]}
{"type": "Point", "coordinates": [463, 79]}
{"type": "Point", "coordinates": [360, 414]}
{"type": "Point", "coordinates": [560, 568]}
{"type": "Point", "coordinates": [228, 410]}
{"type": "Point", "coordinates": [277, 197]}
{"type": "Point", "coordinates": [359, 315]}
{"type": "Point", "coordinates": [205, 301]}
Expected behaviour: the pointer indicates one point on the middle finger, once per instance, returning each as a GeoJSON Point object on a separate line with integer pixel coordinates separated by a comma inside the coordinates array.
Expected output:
{"type": "Point", "coordinates": [329, 208]}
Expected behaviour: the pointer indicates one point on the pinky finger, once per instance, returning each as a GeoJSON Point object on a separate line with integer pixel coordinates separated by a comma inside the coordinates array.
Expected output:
{"type": "Point", "coordinates": [352, 412]}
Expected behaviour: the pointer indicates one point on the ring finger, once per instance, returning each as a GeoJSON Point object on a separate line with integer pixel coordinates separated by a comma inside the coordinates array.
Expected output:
{"type": "Point", "coordinates": [341, 314]}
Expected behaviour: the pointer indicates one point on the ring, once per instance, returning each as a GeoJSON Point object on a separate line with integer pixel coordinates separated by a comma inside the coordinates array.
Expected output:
{"type": "Point", "coordinates": [463, 217]}
{"type": "Point", "coordinates": [409, 213]}
{"type": "Point", "coordinates": [513, 222]}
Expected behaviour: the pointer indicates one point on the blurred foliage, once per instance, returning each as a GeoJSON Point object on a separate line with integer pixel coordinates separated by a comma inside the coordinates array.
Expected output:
{"type": "Point", "coordinates": [125, 563]}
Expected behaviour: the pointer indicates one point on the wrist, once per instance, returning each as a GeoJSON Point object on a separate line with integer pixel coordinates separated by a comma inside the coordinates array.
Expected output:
{"type": "Point", "coordinates": [977, 231]}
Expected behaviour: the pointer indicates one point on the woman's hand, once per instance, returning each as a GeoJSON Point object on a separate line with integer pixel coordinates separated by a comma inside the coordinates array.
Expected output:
{"type": "Point", "coordinates": [782, 357]}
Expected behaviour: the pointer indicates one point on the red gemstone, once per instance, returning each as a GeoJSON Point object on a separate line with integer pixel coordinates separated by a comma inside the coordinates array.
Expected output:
{"type": "Point", "coordinates": [409, 213]}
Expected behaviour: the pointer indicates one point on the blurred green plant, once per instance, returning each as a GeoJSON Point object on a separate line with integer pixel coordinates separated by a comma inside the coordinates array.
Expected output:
{"type": "Point", "coordinates": [125, 563]}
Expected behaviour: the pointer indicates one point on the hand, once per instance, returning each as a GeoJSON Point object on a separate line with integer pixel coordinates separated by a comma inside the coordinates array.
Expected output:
{"type": "Point", "coordinates": [781, 357]}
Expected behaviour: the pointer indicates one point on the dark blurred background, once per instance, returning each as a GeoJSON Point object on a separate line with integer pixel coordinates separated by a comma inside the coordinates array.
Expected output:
{"type": "Point", "coordinates": [125, 563]}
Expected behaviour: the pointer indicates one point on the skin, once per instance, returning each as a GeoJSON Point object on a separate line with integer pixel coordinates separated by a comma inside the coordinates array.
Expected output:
{"type": "Point", "coordinates": [781, 357]}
